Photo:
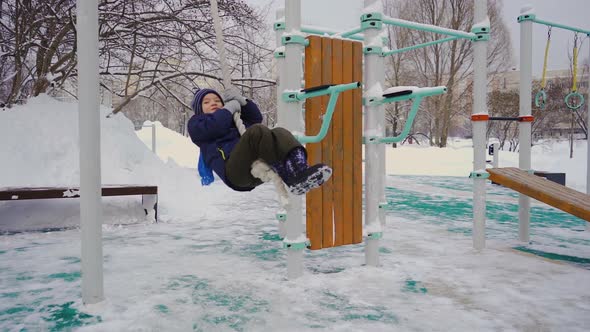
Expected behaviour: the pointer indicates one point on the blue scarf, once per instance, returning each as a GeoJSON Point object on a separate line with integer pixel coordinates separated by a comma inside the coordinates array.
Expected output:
{"type": "Point", "coordinates": [205, 172]}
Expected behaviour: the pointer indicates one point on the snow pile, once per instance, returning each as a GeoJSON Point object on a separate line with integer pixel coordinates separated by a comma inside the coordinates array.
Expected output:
{"type": "Point", "coordinates": [41, 148]}
{"type": "Point", "coordinates": [44, 149]}
{"type": "Point", "coordinates": [169, 143]}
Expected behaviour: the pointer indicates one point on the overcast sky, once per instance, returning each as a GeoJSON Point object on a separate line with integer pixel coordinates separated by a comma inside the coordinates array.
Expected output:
{"type": "Point", "coordinates": [344, 14]}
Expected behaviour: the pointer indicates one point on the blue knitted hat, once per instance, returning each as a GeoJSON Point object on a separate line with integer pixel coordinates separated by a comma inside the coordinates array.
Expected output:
{"type": "Point", "coordinates": [197, 104]}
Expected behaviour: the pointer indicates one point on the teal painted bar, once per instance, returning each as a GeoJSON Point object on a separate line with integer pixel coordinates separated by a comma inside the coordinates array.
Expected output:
{"type": "Point", "coordinates": [419, 93]}
{"type": "Point", "coordinates": [351, 32]}
{"type": "Point", "coordinates": [561, 26]}
{"type": "Point", "coordinates": [334, 92]}
{"type": "Point", "coordinates": [407, 126]}
{"type": "Point", "coordinates": [429, 28]}
{"type": "Point", "coordinates": [417, 96]}
{"type": "Point", "coordinates": [415, 47]}
{"type": "Point", "coordinates": [318, 32]}
{"type": "Point", "coordinates": [325, 123]}
{"type": "Point", "coordinates": [329, 90]}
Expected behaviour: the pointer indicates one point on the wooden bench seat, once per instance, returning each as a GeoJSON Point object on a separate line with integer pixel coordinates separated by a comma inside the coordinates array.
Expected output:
{"type": "Point", "coordinates": [549, 192]}
{"type": "Point", "coordinates": [149, 194]}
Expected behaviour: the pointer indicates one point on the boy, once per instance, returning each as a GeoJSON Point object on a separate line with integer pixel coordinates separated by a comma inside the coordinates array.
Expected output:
{"type": "Point", "coordinates": [230, 155]}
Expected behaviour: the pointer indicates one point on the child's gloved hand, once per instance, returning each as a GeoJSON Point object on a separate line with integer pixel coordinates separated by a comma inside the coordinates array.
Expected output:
{"type": "Point", "coordinates": [232, 106]}
{"type": "Point", "coordinates": [233, 94]}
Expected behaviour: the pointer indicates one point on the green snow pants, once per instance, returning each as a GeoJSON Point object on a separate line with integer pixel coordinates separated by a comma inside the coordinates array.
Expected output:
{"type": "Point", "coordinates": [258, 142]}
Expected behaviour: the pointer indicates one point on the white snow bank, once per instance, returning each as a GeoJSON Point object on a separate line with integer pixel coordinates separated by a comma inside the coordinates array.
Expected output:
{"type": "Point", "coordinates": [40, 147]}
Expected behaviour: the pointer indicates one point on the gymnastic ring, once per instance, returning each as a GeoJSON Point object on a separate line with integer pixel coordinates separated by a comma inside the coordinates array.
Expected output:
{"type": "Point", "coordinates": [574, 106]}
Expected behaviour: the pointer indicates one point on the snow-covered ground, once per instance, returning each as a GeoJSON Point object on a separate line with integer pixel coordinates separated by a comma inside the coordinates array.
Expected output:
{"type": "Point", "coordinates": [216, 263]}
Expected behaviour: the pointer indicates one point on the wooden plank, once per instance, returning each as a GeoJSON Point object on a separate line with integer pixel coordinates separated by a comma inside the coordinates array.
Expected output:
{"type": "Point", "coordinates": [122, 191]}
{"type": "Point", "coordinates": [357, 144]}
{"type": "Point", "coordinates": [313, 65]}
{"type": "Point", "coordinates": [23, 193]}
{"type": "Point", "coordinates": [327, 195]}
{"type": "Point", "coordinates": [348, 145]}
{"type": "Point", "coordinates": [549, 192]}
{"type": "Point", "coordinates": [555, 190]}
{"type": "Point", "coordinates": [334, 213]}
{"type": "Point", "coordinates": [338, 146]}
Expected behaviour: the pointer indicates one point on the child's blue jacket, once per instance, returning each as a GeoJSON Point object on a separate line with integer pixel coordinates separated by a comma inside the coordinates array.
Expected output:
{"type": "Point", "coordinates": [216, 135]}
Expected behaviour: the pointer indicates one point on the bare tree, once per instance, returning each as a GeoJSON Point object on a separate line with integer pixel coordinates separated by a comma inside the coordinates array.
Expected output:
{"type": "Point", "coordinates": [160, 44]}
{"type": "Point", "coordinates": [504, 104]}
{"type": "Point", "coordinates": [157, 50]}
{"type": "Point", "coordinates": [396, 72]}
{"type": "Point", "coordinates": [450, 64]}
{"type": "Point", "coordinates": [38, 47]}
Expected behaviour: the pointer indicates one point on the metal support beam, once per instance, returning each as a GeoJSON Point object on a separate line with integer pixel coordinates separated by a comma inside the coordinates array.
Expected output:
{"type": "Point", "coordinates": [291, 119]}
{"type": "Point", "coordinates": [479, 128]}
{"type": "Point", "coordinates": [89, 131]}
{"type": "Point", "coordinates": [524, 156]}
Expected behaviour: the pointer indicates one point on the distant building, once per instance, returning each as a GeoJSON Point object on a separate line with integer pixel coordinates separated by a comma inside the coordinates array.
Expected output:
{"type": "Point", "coordinates": [510, 80]}
{"type": "Point", "coordinates": [561, 130]}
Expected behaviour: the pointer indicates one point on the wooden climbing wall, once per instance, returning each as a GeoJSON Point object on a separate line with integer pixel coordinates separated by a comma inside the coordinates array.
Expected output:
{"type": "Point", "coordinates": [334, 211]}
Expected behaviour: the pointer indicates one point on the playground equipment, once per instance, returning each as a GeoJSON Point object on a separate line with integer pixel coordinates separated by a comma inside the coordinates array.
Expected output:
{"type": "Point", "coordinates": [293, 43]}
{"type": "Point", "coordinates": [331, 220]}
{"type": "Point", "coordinates": [574, 99]}
{"type": "Point", "coordinates": [541, 97]}
{"type": "Point", "coordinates": [526, 20]}
{"type": "Point", "coordinates": [89, 129]}
{"type": "Point", "coordinates": [549, 192]}
{"type": "Point", "coordinates": [524, 181]}
{"type": "Point", "coordinates": [334, 217]}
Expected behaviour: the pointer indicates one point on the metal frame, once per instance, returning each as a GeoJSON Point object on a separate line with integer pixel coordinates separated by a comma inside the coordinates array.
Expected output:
{"type": "Point", "coordinates": [417, 96]}
{"type": "Point", "coordinates": [526, 20]}
{"type": "Point", "coordinates": [334, 91]}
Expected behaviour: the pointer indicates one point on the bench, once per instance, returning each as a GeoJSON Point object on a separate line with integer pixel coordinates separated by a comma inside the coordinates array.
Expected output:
{"type": "Point", "coordinates": [551, 176]}
{"type": "Point", "coordinates": [149, 194]}
{"type": "Point", "coordinates": [555, 177]}
{"type": "Point", "coordinates": [546, 191]}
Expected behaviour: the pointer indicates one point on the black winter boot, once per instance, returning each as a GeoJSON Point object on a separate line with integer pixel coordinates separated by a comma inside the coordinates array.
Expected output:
{"type": "Point", "coordinates": [301, 178]}
{"type": "Point", "coordinates": [281, 170]}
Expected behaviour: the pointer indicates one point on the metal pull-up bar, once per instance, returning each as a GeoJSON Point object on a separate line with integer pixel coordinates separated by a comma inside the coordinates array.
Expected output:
{"type": "Point", "coordinates": [333, 91]}
{"type": "Point", "coordinates": [533, 18]}
{"type": "Point", "coordinates": [400, 95]}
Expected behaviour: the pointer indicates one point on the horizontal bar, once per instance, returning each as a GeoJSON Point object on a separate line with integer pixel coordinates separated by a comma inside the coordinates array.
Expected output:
{"type": "Point", "coordinates": [302, 95]}
{"type": "Point", "coordinates": [418, 93]}
{"type": "Point", "coordinates": [561, 26]}
{"type": "Point", "coordinates": [429, 28]}
{"type": "Point", "coordinates": [350, 33]}
{"type": "Point", "coordinates": [503, 118]}
{"type": "Point", "coordinates": [410, 48]}
{"type": "Point", "coordinates": [321, 32]}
